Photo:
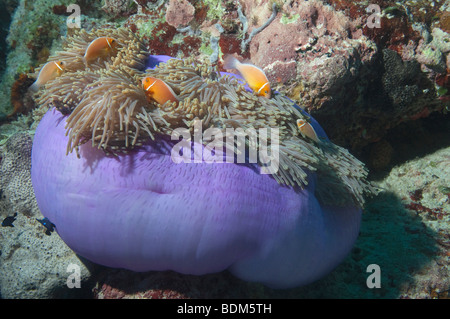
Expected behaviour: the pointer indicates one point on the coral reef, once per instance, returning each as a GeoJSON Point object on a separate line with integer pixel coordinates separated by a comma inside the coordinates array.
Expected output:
{"type": "Point", "coordinates": [116, 284]}
{"type": "Point", "coordinates": [326, 42]}
{"type": "Point", "coordinates": [26, 38]}
{"type": "Point", "coordinates": [35, 266]}
{"type": "Point", "coordinates": [24, 246]}
{"type": "Point", "coordinates": [433, 54]}
{"type": "Point", "coordinates": [380, 155]}
{"type": "Point", "coordinates": [35, 30]}
{"type": "Point", "coordinates": [349, 48]}
{"type": "Point", "coordinates": [421, 185]}
{"type": "Point", "coordinates": [337, 65]}
{"type": "Point", "coordinates": [15, 180]}
{"type": "Point", "coordinates": [21, 99]}
{"type": "Point", "coordinates": [119, 8]}
{"type": "Point", "coordinates": [179, 13]}
{"type": "Point", "coordinates": [415, 30]}
{"type": "Point", "coordinates": [371, 88]}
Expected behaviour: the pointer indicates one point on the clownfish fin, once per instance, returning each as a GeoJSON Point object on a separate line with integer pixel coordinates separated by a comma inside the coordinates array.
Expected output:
{"type": "Point", "coordinates": [307, 130]}
{"type": "Point", "coordinates": [230, 62]}
{"type": "Point", "coordinates": [34, 87]}
{"type": "Point", "coordinates": [253, 75]}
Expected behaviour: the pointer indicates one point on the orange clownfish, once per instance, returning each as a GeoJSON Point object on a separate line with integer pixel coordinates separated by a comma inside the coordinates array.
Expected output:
{"type": "Point", "coordinates": [99, 47]}
{"type": "Point", "coordinates": [158, 90]}
{"type": "Point", "coordinates": [254, 76]}
{"type": "Point", "coordinates": [307, 130]}
{"type": "Point", "coordinates": [48, 72]}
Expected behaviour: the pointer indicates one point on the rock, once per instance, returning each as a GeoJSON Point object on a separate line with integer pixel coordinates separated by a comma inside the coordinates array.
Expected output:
{"type": "Point", "coordinates": [401, 83]}
{"type": "Point", "coordinates": [360, 93]}
{"type": "Point", "coordinates": [325, 50]}
{"type": "Point", "coordinates": [124, 284]}
{"type": "Point", "coordinates": [356, 80]}
{"type": "Point", "coordinates": [118, 8]}
{"type": "Point", "coordinates": [421, 186]}
{"type": "Point", "coordinates": [380, 155]}
{"type": "Point", "coordinates": [15, 178]}
{"type": "Point", "coordinates": [32, 264]}
{"type": "Point", "coordinates": [179, 13]}
{"type": "Point", "coordinates": [432, 54]}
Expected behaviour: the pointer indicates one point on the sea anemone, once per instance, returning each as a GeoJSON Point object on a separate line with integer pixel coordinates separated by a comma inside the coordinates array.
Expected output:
{"type": "Point", "coordinates": [121, 201]}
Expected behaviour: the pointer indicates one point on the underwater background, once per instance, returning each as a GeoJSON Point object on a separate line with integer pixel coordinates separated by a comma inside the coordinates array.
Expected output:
{"type": "Point", "coordinates": [376, 81]}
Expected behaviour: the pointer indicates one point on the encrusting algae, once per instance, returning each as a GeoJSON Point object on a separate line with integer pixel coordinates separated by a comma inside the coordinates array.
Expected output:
{"type": "Point", "coordinates": [107, 104]}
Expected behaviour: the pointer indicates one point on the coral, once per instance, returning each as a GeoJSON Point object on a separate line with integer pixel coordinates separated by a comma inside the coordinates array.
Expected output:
{"type": "Point", "coordinates": [432, 54]}
{"type": "Point", "coordinates": [432, 58]}
{"type": "Point", "coordinates": [380, 155]}
{"type": "Point", "coordinates": [122, 284]}
{"type": "Point", "coordinates": [400, 80]}
{"type": "Point", "coordinates": [445, 21]}
{"type": "Point", "coordinates": [246, 39]}
{"type": "Point", "coordinates": [335, 66]}
{"type": "Point", "coordinates": [441, 40]}
{"type": "Point", "coordinates": [33, 31]}
{"type": "Point", "coordinates": [230, 44]}
{"type": "Point", "coordinates": [160, 37]}
{"type": "Point", "coordinates": [418, 183]}
{"type": "Point", "coordinates": [20, 98]}
{"type": "Point", "coordinates": [118, 8]}
{"type": "Point", "coordinates": [15, 181]}
{"type": "Point", "coordinates": [25, 245]}
{"type": "Point", "coordinates": [398, 91]}
{"type": "Point", "coordinates": [364, 101]}
{"type": "Point", "coordinates": [322, 46]}
{"type": "Point", "coordinates": [179, 13]}
{"type": "Point", "coordinates": [216, 9]}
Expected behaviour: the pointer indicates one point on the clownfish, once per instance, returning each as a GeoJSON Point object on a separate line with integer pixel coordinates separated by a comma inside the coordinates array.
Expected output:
{"type": "Point", "coordinates": [254, 76]}
{"type": "Point", "coordinates": [307, 130]}
{"type": "Point", "coordinates": [48, 72]}
{"type": "Point", "coordinates": [158, 91]}
{"type": "Point", "coordinates": [99, 47]}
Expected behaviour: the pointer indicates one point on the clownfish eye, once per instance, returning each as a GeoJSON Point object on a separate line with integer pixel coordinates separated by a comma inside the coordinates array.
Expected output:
{"type": "Point", "coordinates": [61, 63]}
